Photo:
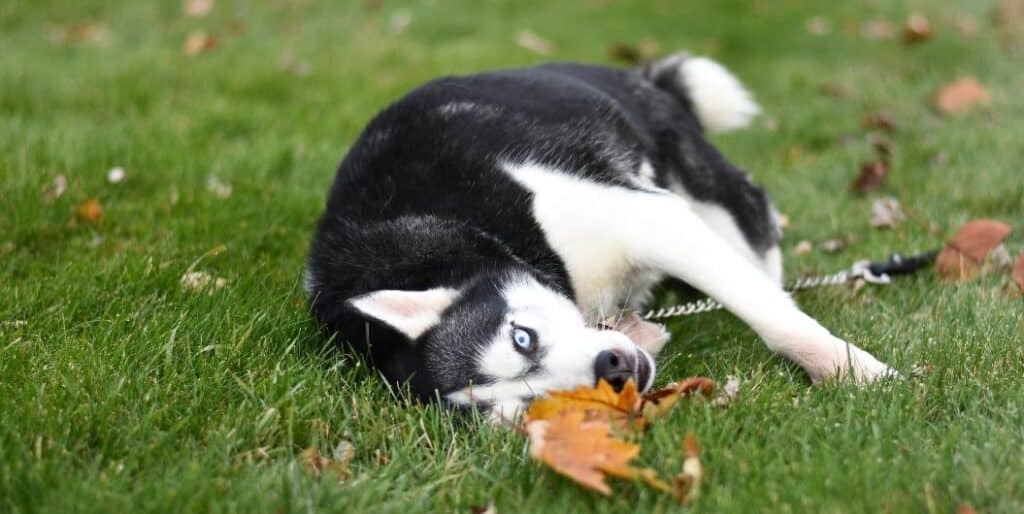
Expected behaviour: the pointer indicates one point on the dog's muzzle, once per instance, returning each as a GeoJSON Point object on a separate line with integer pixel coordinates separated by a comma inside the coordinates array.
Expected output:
{"type": "Point", "coordinates": [618, 366]}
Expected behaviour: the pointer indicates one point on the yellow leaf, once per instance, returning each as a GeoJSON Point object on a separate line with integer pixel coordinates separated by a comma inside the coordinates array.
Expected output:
{"type": "Point", "coordinates": [581, 450]}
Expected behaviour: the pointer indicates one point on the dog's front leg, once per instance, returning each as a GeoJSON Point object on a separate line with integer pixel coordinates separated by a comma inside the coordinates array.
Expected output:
{"type": "Point", "coordinates": [673, 239]}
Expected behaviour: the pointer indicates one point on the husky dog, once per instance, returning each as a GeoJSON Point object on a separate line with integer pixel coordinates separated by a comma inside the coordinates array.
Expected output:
{"type": "Point", "coordinates": [482, 226]}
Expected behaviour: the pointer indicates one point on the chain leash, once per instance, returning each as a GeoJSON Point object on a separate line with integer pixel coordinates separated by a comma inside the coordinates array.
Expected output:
{"type": "Point", "coordinates": [877, 272]}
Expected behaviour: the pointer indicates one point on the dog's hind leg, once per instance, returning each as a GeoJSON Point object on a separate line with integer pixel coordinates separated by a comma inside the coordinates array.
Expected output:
{"type": "Point", "coordinates": [670, 237]}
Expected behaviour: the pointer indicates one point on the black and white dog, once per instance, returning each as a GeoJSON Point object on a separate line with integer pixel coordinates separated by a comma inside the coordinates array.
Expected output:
{"type": "Point", "coordinates": [481, 227]}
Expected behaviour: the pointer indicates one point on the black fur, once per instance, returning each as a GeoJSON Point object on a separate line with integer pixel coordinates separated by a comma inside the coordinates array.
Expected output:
{"type": "Point", "coordinates": [420, 201]}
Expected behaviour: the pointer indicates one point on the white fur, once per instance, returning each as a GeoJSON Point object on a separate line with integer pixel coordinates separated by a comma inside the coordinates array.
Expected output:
{"type": "Point", "coordinates": [605, 234]}
{"type": "Point", "coordinates": [567, 346]}
{"type": "Point", "coordinates": [411, 312]}
{"type": "Point", "coordinates": [721, 101]}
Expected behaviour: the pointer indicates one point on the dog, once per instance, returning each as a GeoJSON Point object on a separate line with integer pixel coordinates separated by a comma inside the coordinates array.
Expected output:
{"type": "Point", "coordinates": [482, 226]}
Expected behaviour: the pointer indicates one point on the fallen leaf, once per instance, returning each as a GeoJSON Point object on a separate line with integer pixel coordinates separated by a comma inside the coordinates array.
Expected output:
{"type": "Point", "coordinates": [83, 32]}
{"type": "Point", "coordinates": [916, 29]}
{"type": "Point", "coordinates": [965, 25]}
{"type": "Point", "coordinates": [400, 21]}
{"type": "Point", "coordinates": [782, 220]}
{"type": "Point", "coordinates": [965, 508]}
{"type": "Point", "coordinates": [961, 95]}
{"type": "Point", "coordinates": [489, 509]}
{"type": "Point", "coordinates": [965, 255]}
{"type": "Point", "coordinates": [218, 188]}
{"type": "Point", "coordinates": [836, 89]}
{"type": "Point", "coordinates": [1008, 14]}
{"type": "Point", "coordinates": [879, 120]}
{"type": "Point", "coordinates": [595, 403]}
{"type": "Point", "coordinates": [199, 42]}
{"type": "Point", "coordinates": [886, 212]}
{"type": "Point", "coordinates": [625, 53]}
{"type": "Point", "coordinates": [1018, 271]}
{"type": "Point", "coordinates": [199, 280]}
{"type": "Point", "coordinates": [836, 244]}
{"type": "Point", "coordinates": [687, 482]}
{"type": "Point", "coordinates": [871, 177]}
{"type": "Point", "coordinates": [197, 8]}
{"type": "Point", "coordinates": [920, 370]}
{"type": "Point", "coordinates": [877, 29]}
{"type": "Point", "coordinates": [56, 189]}
{"type": "Point", "coordinates": [729, 392]}
{"type": "Point", "coordinates": [882, 149]}
{"type": "Point", "coordinates": [818, 26]}
{"type": "Point", "coordinates": [90, 210]}
{"type": "Point", "coordinates": [803, 247]}
{"type": "Point", "coordinates": [534, 43]}
{"type": "Point", "coordinates": [115, 175]}
{"type": "Point", "coordinates": [320, 465]}
{"type": "Point", "coordinates": [585, 451]}
{"type": "Point", "coordinates": [657, 403]}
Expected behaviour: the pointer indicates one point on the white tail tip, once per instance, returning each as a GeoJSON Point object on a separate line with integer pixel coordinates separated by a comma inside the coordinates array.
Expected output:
{"type": "Point", "coordinates": [719, 99]}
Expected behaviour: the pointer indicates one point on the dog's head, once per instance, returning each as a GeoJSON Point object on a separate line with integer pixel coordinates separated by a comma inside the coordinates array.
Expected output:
{"type": "Point", "coordinates": [504, 339]}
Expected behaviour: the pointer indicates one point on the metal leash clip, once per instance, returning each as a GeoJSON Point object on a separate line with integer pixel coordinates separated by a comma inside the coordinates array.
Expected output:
{"type": "Point", "coordinates": [862, 269]}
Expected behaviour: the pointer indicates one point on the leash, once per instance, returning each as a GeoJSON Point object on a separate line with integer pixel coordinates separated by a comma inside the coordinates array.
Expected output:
{"type": "Point", "coordinates": [872, 272]}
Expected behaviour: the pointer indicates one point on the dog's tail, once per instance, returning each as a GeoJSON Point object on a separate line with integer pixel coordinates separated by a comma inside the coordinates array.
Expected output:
{"type": "Point", "coordinates": [714, 95]}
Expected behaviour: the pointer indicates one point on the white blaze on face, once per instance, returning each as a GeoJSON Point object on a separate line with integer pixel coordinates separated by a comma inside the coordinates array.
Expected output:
{"type": "Point", "coordinates": [564, 358]}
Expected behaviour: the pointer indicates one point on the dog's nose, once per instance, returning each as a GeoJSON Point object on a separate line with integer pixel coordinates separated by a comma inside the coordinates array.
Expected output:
{"type": "Point", "coordinates": [615, 367]}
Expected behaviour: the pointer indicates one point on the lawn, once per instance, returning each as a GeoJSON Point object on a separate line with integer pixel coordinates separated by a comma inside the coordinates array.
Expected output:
{"type": "Point", "coordinates": [123, 391]}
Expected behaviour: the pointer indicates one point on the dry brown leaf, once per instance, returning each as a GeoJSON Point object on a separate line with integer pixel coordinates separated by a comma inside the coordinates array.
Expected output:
{"type": "Point", "coordinates": [877, 29]}
{"type": "Point", "coordinates": [197, 8]}
{"type": "Point", "coordinates": [321, 465]}
{"type": "Point", "coordinates": [916, 29]}
{"type": "Point", "coordinates": [871, 177]}
{"type": "Point", "coordinates": [56, 189]}
{"type": "Point", "coordinates": [199, 280]}
{"type": "Point", "coordinates": [199, 42]}
{"type": "Point", "coordinates": [534, 43]}
{"type": "Point", "coordinates": [622, 409]}
{"type": "Point", "coordinates": [886, 213]}
{"type": "Point", "coordinates": [961, 95]}
{"type": "Point", "coordinates": [964, 255]}
{"type": "Point", "coordinates": [836, 244]}
{"type": "Point", "coordinates": [582, 450]}
{"type": "Point", "coordinates": [655, 404]}
{"type": "Point", "coordinates": [803, 247]}
{"type": "Point", "coordinates": [879, 120]}
{"type": "Point", "coordinates": [965, 508]}
{"type": "Point", "coordinates": [90, 210]}
{"type": "Point", "coordinates": [83, 32]}
{"type": "Point", "coordinates": [489, 509]}
{"type": "Point", "coordinates": [729, 392]}
{"type": "Point", "coordinates": [218, 188]}
{"type": "Point", "coordinates": [965, 25]}
{"type": "Point", "coordinates": [687, 482]}
{"type": "Point", "coordinates": [1018, 271]}
{"type": "Point", "coordinates": [1008, 14]}
{"type": "Point", "coordinates": [818, 26]}
{"type": "Point", "coordinates": [625, 53]}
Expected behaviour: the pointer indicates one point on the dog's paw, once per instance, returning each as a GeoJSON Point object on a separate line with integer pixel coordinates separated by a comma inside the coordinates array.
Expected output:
{"type": "Point", "coordinates": [846, 361]}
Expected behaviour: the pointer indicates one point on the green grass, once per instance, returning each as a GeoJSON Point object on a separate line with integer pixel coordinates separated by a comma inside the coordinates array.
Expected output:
{"type": "Point", "coordinates": [124, 393]}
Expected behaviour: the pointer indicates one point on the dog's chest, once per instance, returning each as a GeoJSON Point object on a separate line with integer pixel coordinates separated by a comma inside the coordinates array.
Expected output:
{"type": "Point", "coordinates": [587, 224]}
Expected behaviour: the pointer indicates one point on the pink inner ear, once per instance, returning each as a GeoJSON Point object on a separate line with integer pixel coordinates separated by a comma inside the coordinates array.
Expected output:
{"type": "Point", "coordinates": [646, 335]}
{"type": "Point", "coordinates": [413, 304]}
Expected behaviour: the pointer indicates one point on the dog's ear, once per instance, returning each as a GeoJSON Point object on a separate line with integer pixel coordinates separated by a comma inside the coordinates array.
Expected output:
{"type": "Point", "coordinates": [409, 312]}
{"type": "Point", "coordinates": [649, 336]}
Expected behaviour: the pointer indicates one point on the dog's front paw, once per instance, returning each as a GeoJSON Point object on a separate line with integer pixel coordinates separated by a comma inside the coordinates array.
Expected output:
{"type": "Point", "coordinates": [846, 361]}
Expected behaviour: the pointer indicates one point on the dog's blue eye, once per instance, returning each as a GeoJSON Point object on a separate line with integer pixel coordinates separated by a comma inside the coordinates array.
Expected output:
{"type": "Point", "coordinates": [524, 339]}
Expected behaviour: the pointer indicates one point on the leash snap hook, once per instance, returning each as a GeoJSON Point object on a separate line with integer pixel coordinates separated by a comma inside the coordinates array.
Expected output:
{"type": "Point", "coordinates": [862, 269]}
